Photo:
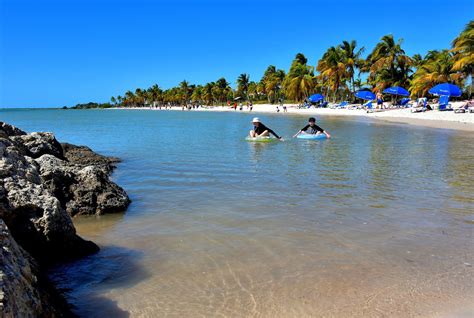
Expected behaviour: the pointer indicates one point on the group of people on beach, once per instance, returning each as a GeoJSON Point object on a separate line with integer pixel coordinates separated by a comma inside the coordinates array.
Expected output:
{"type": "Point", "coordinates": [260, 130]}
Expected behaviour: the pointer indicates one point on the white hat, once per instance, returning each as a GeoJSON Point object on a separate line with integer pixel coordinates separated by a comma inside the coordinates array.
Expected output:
{"type": "Point", "coordinates": [255, 120]}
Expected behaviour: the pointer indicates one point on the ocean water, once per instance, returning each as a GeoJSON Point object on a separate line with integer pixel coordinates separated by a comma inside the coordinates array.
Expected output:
{"type": "Point", "coordinates": [377, 221]}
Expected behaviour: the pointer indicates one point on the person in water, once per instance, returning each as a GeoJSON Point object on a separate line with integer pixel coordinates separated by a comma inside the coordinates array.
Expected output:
{"type": "Point", "coordinates": [260, 130]}
{"type": "Point", "coordinates": [312, 128]}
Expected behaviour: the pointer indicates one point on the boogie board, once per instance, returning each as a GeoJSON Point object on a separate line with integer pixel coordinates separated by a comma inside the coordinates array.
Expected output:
{"type": "Point", "coordinates": [260, 139]}
{"type": "Point", "coordinates": [312, 136]}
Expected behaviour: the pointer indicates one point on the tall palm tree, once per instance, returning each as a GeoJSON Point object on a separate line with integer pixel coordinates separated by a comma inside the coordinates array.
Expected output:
{"type": "Point", "coordinates": [155, 94]}
{"type": "Point", "coordinates": [463, 48]}
{"type": "Point", "coordinates": [271, 83]}
{"type": "Point", "coordinates": [300, 80]}
{"type": "Point", "coordinates": [333, 71]}
{"type": "Point", "coordinates": [221, 90]}
{"type": "Point", "coordinates": [207, 94]}
{"type": "Point", "coordinates": [436, 68]}
{"type": "Point", "coordinates": [243, 84]}
{"type": "Point", "coordinates": [388, 64]}
{"type": "Point", "coordinates": [184, 91]}
{"type": "Point", "coordinates": [352, 59]}
{"type": "Point", "coordinates": [130, 99]}
{"type": "Point", "coordinates": [113, 100]}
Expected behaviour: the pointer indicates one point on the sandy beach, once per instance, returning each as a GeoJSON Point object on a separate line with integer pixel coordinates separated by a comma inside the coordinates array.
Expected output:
{"type": "Point", "coordinates": [433, 119]}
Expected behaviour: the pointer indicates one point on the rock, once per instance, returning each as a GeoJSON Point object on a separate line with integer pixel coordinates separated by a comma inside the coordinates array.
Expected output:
{"type": "Point", "coordinates": [34, 215]}
{"type": "Point", "coordinates": [41, 186]}
{"type": "Point", "coordinates": [7, 130]}
{"type": "Point", "coordinates": [80, 190]}
{"type": "Point", "coordinates": [24, 291]}
{"type": "Point", "coordinates": [83, 156]}
{"type": "Point", "coordinates": [38, 144]}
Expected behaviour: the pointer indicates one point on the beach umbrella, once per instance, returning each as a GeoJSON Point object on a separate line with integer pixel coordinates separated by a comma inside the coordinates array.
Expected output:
{"type": "Point", "coordinates": [446, 89]}
{"type": "Point", "coordinates": [315, 98]}
{"type": "Point", "coordinates": [368, 95]}
{"type": "Point", "coordinates": [396, 90]}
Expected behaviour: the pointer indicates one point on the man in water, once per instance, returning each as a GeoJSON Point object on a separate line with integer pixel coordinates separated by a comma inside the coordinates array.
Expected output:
{"type": "Point", "coordinates": [260, 130]}
{"type": "Point", "coordinates": [312, 128]}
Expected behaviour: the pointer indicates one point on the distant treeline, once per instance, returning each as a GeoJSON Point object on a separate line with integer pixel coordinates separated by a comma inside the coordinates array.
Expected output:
{"type": "Point", "coordinates": [337, 75]}
{"type": "Point", "coordinates": [91, 105]}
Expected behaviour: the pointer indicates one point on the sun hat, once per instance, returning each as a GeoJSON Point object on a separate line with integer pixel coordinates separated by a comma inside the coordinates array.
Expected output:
{"type": "Point", "coordinates": [255, 120]}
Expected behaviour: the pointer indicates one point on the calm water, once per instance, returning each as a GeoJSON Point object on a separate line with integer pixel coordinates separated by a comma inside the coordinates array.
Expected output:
{"type": "Point", "coordinates": [377, 221]}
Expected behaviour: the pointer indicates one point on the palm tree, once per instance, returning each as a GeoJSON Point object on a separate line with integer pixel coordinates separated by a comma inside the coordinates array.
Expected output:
{"type": "Point", "coordinates": [221, 90]}
{"type": "Point", "coordinates": [388, 64]}
{"type": "Point", "coordinates": [436, 68]}
{"type": "Point", "coordinates": [243, 84]}
{"type": "Point", "coordinates": [352, 59]}
{"type": "Point", "coordinates": [120, 100]}
{"type": "Point", "coordinates": [140, 97]}
{"type": "Point", "coordinates": [207, 94]}
{"type": "Point", "coordinates": [333, 70]}
{"type": "Point", "coordinates": [113, 100]}
{"type": "Point", "coordinates": [155, 94]}
{"type": "Point", "coordinates": [184, 91]}
{"type": "Point", "coordinates": [463, 48]}
{"type": "Point", "coordinates": [300, 80]}
{"type": "Point", "coordinates": [130, 98]}
{"type": "Point", "coordinates": [271, 83]}
{"type": "Point", "coordinates": [196, 96]}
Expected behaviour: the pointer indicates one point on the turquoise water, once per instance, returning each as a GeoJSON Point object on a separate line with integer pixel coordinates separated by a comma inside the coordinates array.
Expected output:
{"type": "Point", "coordinates": [223, 227]}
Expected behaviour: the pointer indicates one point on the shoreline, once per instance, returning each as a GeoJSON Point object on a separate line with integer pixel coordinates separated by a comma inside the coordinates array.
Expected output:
{"type": "Point", "coordinates": [431, 119]}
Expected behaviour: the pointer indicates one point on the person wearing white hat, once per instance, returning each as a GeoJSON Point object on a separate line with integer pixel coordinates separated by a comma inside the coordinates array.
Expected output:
{"type": "Point", "coordinates": [260, 130]}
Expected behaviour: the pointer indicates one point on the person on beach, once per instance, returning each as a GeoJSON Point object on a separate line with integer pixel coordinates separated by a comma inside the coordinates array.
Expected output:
{"type": "Point", "coordinates": [284, 109]}
{"type": "Point", "coordinates": [379, 100]}
{"type": "Point", "coordinates": [312, 128]}
{"type": "Point", "coordinates": [251, 106]}
{"type": "Point", "coordinates": [260, 130]}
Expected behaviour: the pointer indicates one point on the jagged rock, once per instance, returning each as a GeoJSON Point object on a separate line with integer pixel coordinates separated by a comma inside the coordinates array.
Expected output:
{"type": "Point", "coordinates": [80, 190]}
{"type": "Point", "coordinates": [83, 156]}
{"type": "Point", "coordinates": [40, 143]}
{"type": "Point", "coordinates": [33, 214]}
{"type": "Point", "coordinates": [7, 130]}
{"type": "Point", "coordinates": [39, 189]}
{"type": "Point", "coordinates": [24, 291]}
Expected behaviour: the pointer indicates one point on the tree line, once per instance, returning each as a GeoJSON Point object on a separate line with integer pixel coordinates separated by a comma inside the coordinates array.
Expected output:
{"type": "Point", "coordinates": [340, 72]}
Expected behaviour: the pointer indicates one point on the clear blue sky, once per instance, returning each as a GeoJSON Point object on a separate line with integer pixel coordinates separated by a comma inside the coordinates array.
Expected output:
{"type": "Point", "coordinates": [55, 53]}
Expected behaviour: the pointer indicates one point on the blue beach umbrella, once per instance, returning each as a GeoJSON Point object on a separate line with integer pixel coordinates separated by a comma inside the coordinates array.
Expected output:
{"type": "Point", "coordinates": [368, 95]}
{"type": "Point", "coordinates": [446, 89]}
{"type": "Point", "coordinates": [315, 98]}
{"type": "Point", "coordinates": [396, 90]}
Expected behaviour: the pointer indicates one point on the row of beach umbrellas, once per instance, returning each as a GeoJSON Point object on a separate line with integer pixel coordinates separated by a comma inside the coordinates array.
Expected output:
{"type": "Point", "coordinates": [446, 89]}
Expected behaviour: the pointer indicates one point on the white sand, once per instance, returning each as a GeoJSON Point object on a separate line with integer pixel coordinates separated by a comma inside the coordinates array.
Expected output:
{"type": "Point", "coordinates": [436, 119]}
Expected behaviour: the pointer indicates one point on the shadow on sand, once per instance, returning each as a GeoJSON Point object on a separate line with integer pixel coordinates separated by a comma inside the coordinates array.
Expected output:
{"type": "Point", "coordinates": [85, 282]}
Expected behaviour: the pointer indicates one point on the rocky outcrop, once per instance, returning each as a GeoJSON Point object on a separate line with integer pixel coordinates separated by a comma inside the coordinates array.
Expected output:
{"type": "Point", "coordinates": [82, 189]}
{"type": "Point", "coordinates": [43, 184]}
{"type": "Point", "coordinates": [24, 290]}
{"type": "Point", "coordinates": [83, 156]}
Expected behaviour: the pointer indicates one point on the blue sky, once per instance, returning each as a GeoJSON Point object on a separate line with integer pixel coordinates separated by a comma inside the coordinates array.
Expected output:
{"type": "Point", "coordinates": [55, 53]}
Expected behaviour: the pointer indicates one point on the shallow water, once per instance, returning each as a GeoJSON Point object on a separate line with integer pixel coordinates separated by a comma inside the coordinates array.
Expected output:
{"type": "Point", "coordinates": [378, 221]}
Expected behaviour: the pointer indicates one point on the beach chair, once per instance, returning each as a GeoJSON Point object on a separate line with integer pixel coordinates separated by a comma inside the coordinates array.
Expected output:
{"type": "Point", "coordinates": [404, 102]}
{"type": "Point", "coordinates": [421, 105]}
{"type": "Point", "coordinates": [343, 104]}
{"type": "Point", "coordinates": [323, 104]}
{"type": "Point", "coordinates": [444, 103]}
